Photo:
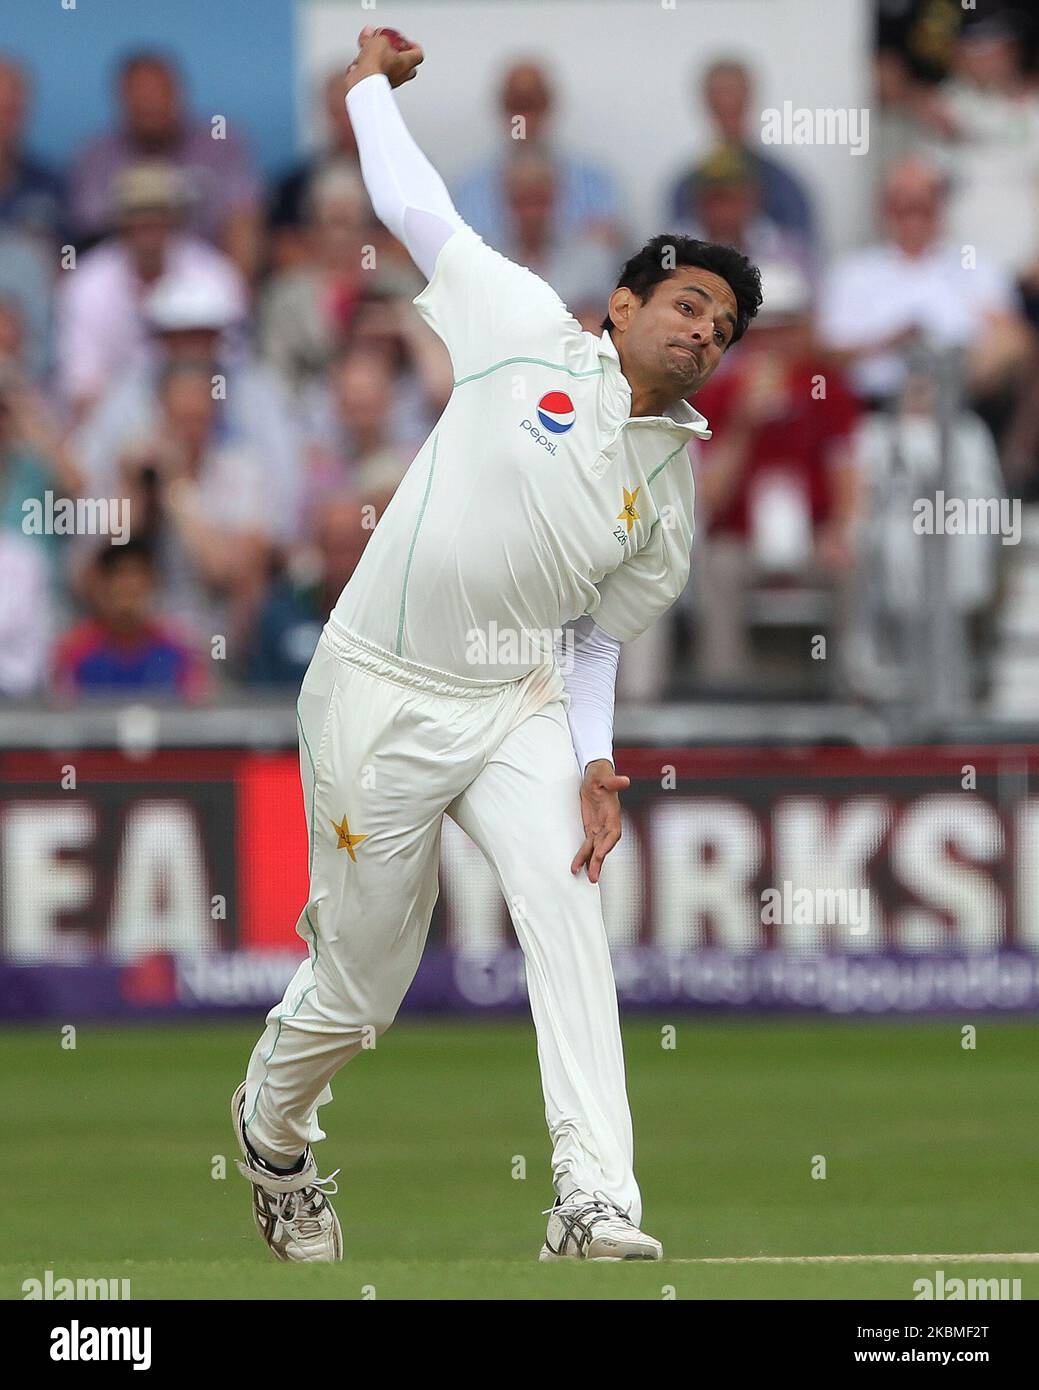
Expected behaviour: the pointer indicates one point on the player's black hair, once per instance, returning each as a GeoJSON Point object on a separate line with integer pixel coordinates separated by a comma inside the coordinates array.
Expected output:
{"type": "Point", "coordinates": [665, 253]}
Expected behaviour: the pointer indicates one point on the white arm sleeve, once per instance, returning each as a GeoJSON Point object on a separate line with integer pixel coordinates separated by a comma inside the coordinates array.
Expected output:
{"type": "Point", "coordinates": [408, 195]}
{"type": "Point", "coordinates": [590, 684]}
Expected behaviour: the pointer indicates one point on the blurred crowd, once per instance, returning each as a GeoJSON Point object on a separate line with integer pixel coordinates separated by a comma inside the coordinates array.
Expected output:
{"type": "Point", "coordinates": [240, 360]}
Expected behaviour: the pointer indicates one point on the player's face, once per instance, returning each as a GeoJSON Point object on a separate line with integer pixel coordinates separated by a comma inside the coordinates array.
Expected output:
{"type": "Point", "coordinates": [683, 329]}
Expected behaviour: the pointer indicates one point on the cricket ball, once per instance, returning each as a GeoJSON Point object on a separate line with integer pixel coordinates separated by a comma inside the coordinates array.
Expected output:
{"type": "Point", "coordinates": [396, 38]}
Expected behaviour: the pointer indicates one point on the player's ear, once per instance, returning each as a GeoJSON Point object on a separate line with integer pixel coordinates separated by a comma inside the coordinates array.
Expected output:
{"type": "Point", "coordinates": [621, 304]}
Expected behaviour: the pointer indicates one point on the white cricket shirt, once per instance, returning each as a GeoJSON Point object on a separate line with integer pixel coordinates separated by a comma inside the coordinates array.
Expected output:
{"type": "Point", "coordinates": [536, 499]}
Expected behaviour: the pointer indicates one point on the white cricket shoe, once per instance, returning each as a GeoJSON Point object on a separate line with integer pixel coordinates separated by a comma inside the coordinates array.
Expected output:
{"type": "Point", "coordinates": [291, 1210]}
{"type": "Point", "coordinates": [587, 1227]}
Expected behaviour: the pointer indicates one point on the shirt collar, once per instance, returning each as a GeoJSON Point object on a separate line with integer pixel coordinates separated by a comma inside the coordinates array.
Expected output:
{"type": "Point", "coordinates": [680, 416]}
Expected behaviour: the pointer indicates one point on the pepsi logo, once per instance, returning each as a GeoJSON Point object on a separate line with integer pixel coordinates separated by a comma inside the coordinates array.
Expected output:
{"type": "Point", "coordinates": [556, 412]}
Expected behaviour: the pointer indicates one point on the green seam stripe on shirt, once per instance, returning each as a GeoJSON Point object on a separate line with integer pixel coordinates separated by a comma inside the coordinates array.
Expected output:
{"type": "Point", "coordinates": [663, 465]}
{"type": "Point", "coordinates": [414, 542]}
{"type": "Point", "coordinates": [534, 362]}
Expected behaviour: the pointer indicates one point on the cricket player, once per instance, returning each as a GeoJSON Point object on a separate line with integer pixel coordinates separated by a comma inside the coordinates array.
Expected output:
{"type": "Point", "coordinates": [555, 491]}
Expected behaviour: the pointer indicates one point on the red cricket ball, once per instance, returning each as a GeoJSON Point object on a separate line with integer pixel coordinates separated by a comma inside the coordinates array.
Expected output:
{"type": "Point", "coordinates": [396, 38]}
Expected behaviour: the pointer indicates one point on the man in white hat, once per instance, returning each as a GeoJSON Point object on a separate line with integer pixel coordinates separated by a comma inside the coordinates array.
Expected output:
{"type": "Point", "coordinates": [102, 326]}
{"type": "Point", "coordinates": [193, 315]}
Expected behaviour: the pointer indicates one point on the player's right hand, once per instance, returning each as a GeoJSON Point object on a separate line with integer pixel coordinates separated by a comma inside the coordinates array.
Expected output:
{"type": "Point", "coordinates": [601, 813]}
{"type": "Point", "coordinates": [378, 52]}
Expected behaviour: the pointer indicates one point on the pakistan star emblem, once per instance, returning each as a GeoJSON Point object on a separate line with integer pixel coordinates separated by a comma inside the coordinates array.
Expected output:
{"type": "Point", "coordinates": [629, 514]}
{"type": "Point", "coordinates": [346, 840]}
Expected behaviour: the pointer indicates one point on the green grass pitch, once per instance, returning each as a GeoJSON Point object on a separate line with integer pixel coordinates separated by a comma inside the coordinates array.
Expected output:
{"type": "Point", "coordinates": [929, 1149]}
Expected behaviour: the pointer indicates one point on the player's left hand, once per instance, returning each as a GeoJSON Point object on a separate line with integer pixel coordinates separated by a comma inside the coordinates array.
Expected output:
{"type": "Point", "coordinates": [601, 813]}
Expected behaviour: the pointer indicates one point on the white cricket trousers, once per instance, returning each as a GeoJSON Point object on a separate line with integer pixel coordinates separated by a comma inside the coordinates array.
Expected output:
{"type": "Point", "coordinates": [387, 748]}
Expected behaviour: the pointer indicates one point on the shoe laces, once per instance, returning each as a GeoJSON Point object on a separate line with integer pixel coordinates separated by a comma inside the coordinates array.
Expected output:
{"type": "Point", "coordinates": [604, 1208]}
{"type": "Point", "coordinates": [301, 1210]}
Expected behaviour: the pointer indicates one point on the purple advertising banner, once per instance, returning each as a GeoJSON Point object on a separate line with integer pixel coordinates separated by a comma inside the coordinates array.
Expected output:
{"type": "Point", "coordinates": [835, 984]}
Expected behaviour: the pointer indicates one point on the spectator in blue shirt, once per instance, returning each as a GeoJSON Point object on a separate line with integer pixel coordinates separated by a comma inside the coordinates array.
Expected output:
{"type": "Point", "coordinates": [727, 91]}
{"type": "Point", "coordinates": [587, 199]}
{"type": "Point", "coordinates": [126, 647]}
